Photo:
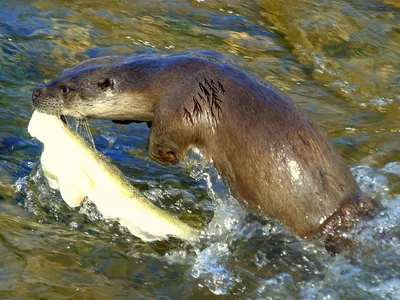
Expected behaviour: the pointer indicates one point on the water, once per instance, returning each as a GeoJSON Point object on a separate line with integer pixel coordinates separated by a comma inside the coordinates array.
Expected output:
{"type": "Point", "coordinates": [340, 62]}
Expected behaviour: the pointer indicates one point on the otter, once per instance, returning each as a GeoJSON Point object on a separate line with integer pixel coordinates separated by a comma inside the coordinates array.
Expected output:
{"type": "Point", "coordinates": [272, 157]}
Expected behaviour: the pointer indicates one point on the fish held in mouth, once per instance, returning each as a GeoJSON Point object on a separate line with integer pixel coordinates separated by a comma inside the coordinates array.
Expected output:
{"type": "Point", "coordinates": [78, 171]}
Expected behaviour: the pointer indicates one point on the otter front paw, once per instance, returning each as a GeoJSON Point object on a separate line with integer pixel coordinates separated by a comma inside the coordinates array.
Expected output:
{"type": "Point", "coordinates": [163, 155]}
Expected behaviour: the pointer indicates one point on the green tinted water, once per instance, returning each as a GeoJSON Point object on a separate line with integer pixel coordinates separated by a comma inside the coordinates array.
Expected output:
{"type": "Point", "coordinates": [339, 60]}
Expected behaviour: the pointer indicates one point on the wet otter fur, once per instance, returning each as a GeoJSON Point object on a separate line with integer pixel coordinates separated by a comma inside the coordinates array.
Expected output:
{"type": "Point", "coordinates": [272, 157]}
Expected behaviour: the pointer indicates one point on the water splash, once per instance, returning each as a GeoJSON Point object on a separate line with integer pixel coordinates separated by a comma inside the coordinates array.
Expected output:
{"type": "Point", "coordinates": [41, 200]}
{"type": "Point", "coordinates": [371, 268]}
{"type": "Point", "coordinates": [211, 265]}
{"type": "Point", "coordinates": [228, 213]}
{"type": "Point", "coordinates": [244, 255]}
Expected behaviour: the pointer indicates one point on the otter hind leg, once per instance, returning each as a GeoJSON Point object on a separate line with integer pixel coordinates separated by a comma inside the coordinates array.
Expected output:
{"type": "Point", "coordinates": [343, 220]}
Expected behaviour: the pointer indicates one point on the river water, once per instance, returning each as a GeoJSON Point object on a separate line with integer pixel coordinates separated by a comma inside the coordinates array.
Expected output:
{"type": "Point", "coordinates": [340, 62]}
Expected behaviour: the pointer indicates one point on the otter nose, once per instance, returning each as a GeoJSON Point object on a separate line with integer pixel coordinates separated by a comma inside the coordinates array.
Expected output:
{"type": "Point", "coordinates": [35, 94]}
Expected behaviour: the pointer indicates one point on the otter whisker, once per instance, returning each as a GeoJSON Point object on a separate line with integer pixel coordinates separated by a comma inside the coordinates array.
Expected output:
{"type": "Point", "coordinates": [86, 128]}
{"type": "Point", "coordinates": [89, 134]}
{"type": "Point", "coordinates": [81, 115]}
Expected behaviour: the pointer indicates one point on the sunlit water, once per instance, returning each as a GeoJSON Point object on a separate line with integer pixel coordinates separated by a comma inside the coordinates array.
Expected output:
{"type": "Point", "coordinates": [339, 60]}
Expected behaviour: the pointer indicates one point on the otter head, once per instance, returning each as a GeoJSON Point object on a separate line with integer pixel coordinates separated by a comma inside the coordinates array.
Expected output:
{"type": "Point", "coordinates": [96, 88]}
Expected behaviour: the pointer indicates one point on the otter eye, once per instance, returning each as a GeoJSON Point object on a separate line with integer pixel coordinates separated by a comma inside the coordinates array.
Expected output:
{"type": "Point", "coordinates": [106, 83]}
{"type": "Point", "coordinates": [64, 90]}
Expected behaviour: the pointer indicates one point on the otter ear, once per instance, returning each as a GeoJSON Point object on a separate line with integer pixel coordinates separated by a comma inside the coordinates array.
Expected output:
{"type": "Point", "coordinates": [106, 84]}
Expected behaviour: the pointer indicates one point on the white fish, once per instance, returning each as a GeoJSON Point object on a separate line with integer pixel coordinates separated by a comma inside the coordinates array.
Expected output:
{"type": "Point", "coordinates": [77, 171]}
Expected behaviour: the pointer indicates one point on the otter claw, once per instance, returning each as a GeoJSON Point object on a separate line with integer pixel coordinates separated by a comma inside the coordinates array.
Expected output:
{"type": "Point", "coordinates": [164, 156]}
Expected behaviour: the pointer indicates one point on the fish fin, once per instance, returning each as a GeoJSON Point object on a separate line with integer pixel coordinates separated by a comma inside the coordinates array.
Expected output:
{"type": "Point", "coordinates": [75, 187]}
{"type": "Point", "coordinates": [51, 179]}
{"type": "Point", "coordinates": [72, 195]}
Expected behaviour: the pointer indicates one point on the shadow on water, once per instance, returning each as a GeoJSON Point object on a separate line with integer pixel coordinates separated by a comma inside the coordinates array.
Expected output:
{"type": "Point", "coordinates": [340, 62]}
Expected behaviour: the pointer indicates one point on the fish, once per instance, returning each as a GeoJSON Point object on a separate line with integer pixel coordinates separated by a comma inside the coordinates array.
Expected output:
{"type": "Point", "coordinates": [78, 171]}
